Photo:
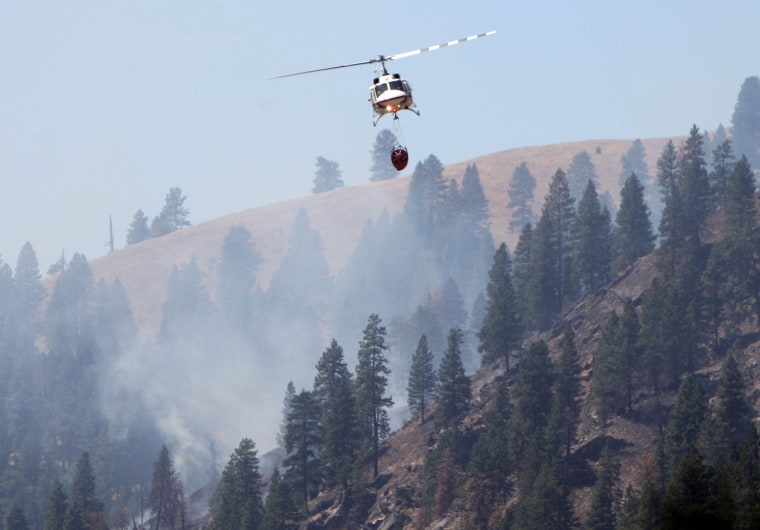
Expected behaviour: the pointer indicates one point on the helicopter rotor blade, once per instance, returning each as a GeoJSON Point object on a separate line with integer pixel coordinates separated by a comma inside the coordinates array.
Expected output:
{"type": "Point", "coordinates": [438, 46]}
{"type": "Point", "coordinates": [328, 68]}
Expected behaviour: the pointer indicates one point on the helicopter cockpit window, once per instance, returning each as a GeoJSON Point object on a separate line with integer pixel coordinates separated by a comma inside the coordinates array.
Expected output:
{"type": "Point", "coordinates": [380, 88]}
{"type": "Point", "coordinates": [397, 85]}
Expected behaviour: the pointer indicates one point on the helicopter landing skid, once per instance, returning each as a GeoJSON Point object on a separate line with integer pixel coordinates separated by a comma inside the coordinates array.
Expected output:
{"type": "Point", "coordinates": [395, 116]}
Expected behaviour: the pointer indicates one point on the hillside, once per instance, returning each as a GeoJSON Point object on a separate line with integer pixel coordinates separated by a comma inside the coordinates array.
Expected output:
{"type": "Point", "coordinates": [339, 217]}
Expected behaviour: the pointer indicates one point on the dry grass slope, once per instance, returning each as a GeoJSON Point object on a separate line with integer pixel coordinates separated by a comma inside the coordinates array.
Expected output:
{"type": "Point", "coordinates": [339, 216]}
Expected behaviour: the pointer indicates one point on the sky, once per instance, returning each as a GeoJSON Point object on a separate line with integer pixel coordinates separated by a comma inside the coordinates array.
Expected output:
{"type": "Point", "coordinates": [106, 105]}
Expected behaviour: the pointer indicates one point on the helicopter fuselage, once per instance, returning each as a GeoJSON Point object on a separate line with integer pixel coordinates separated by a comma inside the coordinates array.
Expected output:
{"type": "Point", "coordinates": [390, 93]}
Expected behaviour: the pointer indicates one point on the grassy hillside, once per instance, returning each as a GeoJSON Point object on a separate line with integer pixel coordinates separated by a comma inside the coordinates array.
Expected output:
{"type": "Point", "coordinates": [339, 217]}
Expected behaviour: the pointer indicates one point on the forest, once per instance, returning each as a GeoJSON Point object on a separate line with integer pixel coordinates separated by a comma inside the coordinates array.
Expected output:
{"type": "Point", "coordinates": [429, 298]}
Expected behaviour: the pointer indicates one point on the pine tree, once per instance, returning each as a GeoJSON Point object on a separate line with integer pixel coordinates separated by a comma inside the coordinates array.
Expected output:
{"type": "Point", "coordinates": [521, 189]}
{"type": "Point", "coordinates": [669, 179]}
{"type": "Point", "coordinates": [592, 242]}
{"type": "Point", "coordinates": [279, 512]}
{"type": "Point", "coordinates": [167, 502]}
{"type": "Point", "coordinates": [55, 513]}
{"type": "Point", "coordinates": [723, 162]}
{"type": "Point", "coordinates": [237, 276]}
{"type": "Point", "coordinates": [691, 498]}
{"type": "Point", "coordinates": [328, 176]}
{"type": "Point", "coordinates": [453, 393]}
{"type": "Point", "coordinates": [501, 332]}
{"type": "Point", "coordinates": [303, 441]}
{"type": "Point", "coordinates": [580, 172]}
{"type": "Point", "coordinates": [634, 162]}
{"type": "Point", "coordinates": [15, 519]}
{"type": "Point", "coordinates": [746, 121]}
{"type": "Point", "coordinates": [138, 229]}
{"type": "Point", "coordinates": [608, 382]}
{"type": "Point", "coordinates": [551, 285]}
{"type": "Point", "coordinates": [605, 494]}
{"type": "Point", "coordinates": [83, 486]}
{"type": "Point", "coordinates": [24, 321]}
{"type": "Point", "coordinates": [566, 409]}
{"type": "Point", "coordinates": [632, 236]}
{"type": "Point", "coordinates": [695, 187]}
{"type": "Point", "coordinates": [422, 379]}
{"type": "Point", "coordinates": [382, 168]}
{"type": "Point", "coordinates": [187, 304]}
{"type": "Point", "coordinates": [425, 196]}
{"type": "Point", "coordinates": [290, 392]}
{"type": "Point", "coordinates": [685, 423]}
{"type": "Point", "coordinates": [371, 380]}
{"type": "Point", "coordinates": [173, 216]}
{"type": "Point", "coordinates": [334, 391]}
{"type": "Point", "coordinates": [237, 501]}
{"type": "Point", "coordinates": [522, 273]}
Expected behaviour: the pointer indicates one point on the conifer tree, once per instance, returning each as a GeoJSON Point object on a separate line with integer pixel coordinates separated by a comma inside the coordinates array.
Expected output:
{"type": "Point", "coordinates": [334, 391]}
{"type": "Point", "coordinates": [279, 512]}
{"type": "Point", "coordinates": [327, 177]}
{"type": "Point", "coordinates": [15, 519]}
{"type": "Point", "coordinates": [425, 196]}
{"type": "Point", "coordinates": [24, 321]}
{"type": "Point", "coordinates": [382, 168]}
{"type": "Point", "coordinates": [521, 189]}
{"type": "Point", "coordinates": [422, 377]}
{"type": "Point", "coordinates": [290, 392]}
{"type": "Point", "coordinates": [237, 276]}
{"type": "Point", "coordinates": [592, 242]}
{"type": "Point", "coordinates": [237, 501]}
{"type": "Point", "coordinates": [723, 162]}
{"type": "Point", "coordinates": [501, 331]}
{"type": "Point", "coordinates": [632, 236]}
{"type": "Point", "coordinates": [551, 286]}
{"type": "Point", "coordinates": [522, 273]}
{"type": "Point", "coordinates": [303, 441]}
{"type": "Point", "coordinates": [83, 488]}
{"type": "Point", "coordinates": [566, 406]}
{"type": "Point", "coordinates": [608, 382]}
{"type": "Point", "coordinates": [685, 423]}
{"type": "Point", "coordinates": [746, 121]}
{"type": "Point", "coordinates": [634, 162]}
{"type": "Point", "coordinates": [691, 498]}
{"type": "Point", "coordinates": [174, 216]}
{"type": "Point", "coordinates": [75, 518]}
{"type": "Point", "coordinates": [580, 172]}
{"type": "Point", "coordinates": [695, 187]}
{"type": "Point", "coordinates": [55, 513]}
{"type": "Point", "coordinates": [605, 494]}
{"type": "Point", "coordinates": [138, 229]}
{"type": "Point", "coordinates": [453, 393]}
{"type": "Point", "coordinates": [669, 179]}
{"type": "Point", "coordinates": [167, 500]}
{"type": "Point", "coordinates": [371, 380]}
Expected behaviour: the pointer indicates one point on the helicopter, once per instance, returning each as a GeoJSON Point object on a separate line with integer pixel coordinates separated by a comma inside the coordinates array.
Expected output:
{"type": "Point", "coordinates": [391, 93]}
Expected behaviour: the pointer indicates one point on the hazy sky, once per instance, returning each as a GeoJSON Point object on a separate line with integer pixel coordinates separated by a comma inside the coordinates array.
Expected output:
{"type": "Point", "coordinates": [105, 105]}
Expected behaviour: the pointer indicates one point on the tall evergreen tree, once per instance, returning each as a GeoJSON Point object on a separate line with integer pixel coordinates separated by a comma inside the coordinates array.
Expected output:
{"type": "Point", "coordinates": [501, 332]}
{"type": "Point", "coordinates": [522, 273]}
{"type": "Point", "coordinates": [691, 499]}
{"type": "Point", "coordinates": [83, 490]}
{"type": "Point", "coordinates": [173, 216]}
{"type": "Point", "coordinates": [685, 423]}
{"type": "Point", "coordinates": [303, 441]}
{"type": "Point", "coordinates": [521, 189]}
{"type": "Point", "coordinates": [605, 494]}
{"type": "Point", "coordinates": [55, 513]}
{"type": "Point", "coordinates": [334, 391]}
{"type": "Point", "coordinates": [138, 229]}
{"type": "Point", "coordinates": [746, 121]}
{"type": "Point", "coordinates": [566, 408]}
{"type": "Point", "coordinates": [425, 196]}
{"type": "Point", "coordinates": [632, 236]}
{"type": "Point", "coordinates": [382, 168]}
{"type": "Point", "coordinates": [279, 512]}
{"type": "Point", "coordinates": [551, 284]}
{"type": "Point", "coordinates": [608, 382]}
{"type": "Point", "coordinates": [723, 162]}
{"type": "Point", "coordinates": [237, 501]}
{"type": "Point", "coordinates": [580, 172]}
{"type": "Point", "coordinates": [453, 393]}
{"type": "Point", "coordinates": [327, 177]}
{"type": "Point", "coordinates": [592, 241]}
{"type": "Point", "coordinates": [24, 320]}
{"type": "Point", "coordinates": [371, 381]}
{"type": "Point", "coordinates": [237, 276]}
{"type": "Point", "coordinates": [290, 392]}
{"type": "Point", "coordinates": [669, 179]}
{"type": "Point", "coordinates": [695, 187]}
{"type": "Point", "coordinates": [167, 499]}
{"type": "Point", "coordinates": [15, 519]}
{"type": "Point", "coordinates": [422, 377]}
{"type": "Point", "coordinates": [634, 161]}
